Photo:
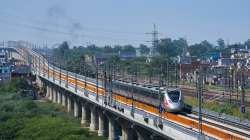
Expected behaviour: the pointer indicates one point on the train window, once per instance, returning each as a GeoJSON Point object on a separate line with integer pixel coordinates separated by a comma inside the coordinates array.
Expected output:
{"type": "Point", "coordinates": [135, 90]}
{"type": "Point", "coordinates": [174, 95]}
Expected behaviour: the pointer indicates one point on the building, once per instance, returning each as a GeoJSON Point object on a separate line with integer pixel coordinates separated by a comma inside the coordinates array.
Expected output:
{"type": "Point", "coordinates": [93, 59]}
{"type": "Point", "coordinates": [5, 73]}
{"type": "Point", "coordinates": [20, 70]}
{"type": "Point", "coordinates": [3, 57]}
{"type": "Point", "coordinates": [17, 44]}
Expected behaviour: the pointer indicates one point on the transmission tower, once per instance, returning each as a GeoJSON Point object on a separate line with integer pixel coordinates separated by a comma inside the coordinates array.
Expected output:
{"type": "Point", "coordinates": [154, 41]}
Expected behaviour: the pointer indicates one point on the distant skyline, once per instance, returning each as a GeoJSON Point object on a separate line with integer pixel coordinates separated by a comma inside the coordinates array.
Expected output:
{"type": "Point", "coordinates": [110, 22]}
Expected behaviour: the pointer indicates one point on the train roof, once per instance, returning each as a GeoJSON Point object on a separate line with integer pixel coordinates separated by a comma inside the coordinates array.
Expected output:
{"type": "Point", "coordinates": [146, 87]}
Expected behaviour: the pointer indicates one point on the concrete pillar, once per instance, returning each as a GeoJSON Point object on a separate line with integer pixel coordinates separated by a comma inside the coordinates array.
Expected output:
{"type": "Point", "coordinates": [92, 126]}
{"type": "Point", "coordinates": [58, 97]}
{"type": "Point", "coordinates": [101, 124]}
{"type": "Point", "coordinates": [68, 104]}
{"type": "Point", "coordinates": [139, 135]}
{"type": "Point", "coordinates": [76, 114]}
{"type": "Point", "coordinates": [54, 95]}
{"type": "Point", "coordinates": [124, 133]}
{"type": "Point", "coordinates": [127, 131]}
{"type": "Point", "coordinates": [50, 94]}
{"type": "Point", "coordinates": [83, 120]}
{"type": "Point", "coordinates": [111, 129]}
{"type": "Point", "coordinates": [47, 91]}
{"type": "Point", "coordinates": [63, 99]}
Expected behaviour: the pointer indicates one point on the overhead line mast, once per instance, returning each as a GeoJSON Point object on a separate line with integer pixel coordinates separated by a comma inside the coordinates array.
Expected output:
{"type": "Point", "coordinates": [154, 41]}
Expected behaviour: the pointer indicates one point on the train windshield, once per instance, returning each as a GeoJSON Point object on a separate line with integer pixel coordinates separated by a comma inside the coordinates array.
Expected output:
{"type": "Point", "coordinates": [174, 95]}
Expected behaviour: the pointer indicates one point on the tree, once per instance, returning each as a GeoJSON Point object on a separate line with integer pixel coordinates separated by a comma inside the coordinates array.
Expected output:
{"type": "Point", "coordinates": [128, 49]}
{"type": "Point", "coordinates": [63, 48]}
{"type": "Point", "coordinates": [221, 43]}
{"type": "Point", "coordinates": [144, 49]}
{"type": "Point", "coordinates": [206, 44]}
{"type": "Point", "coordinates": [202, 49]}
{"type": "Point", "coordinates": [108, 49]}
{"type": "Point", "coordinates": [117, 48]}
{"type": "Point", "coordinates": [93, 49]}
{"type": "Point", "coordinates": [179, 45]}
{"type": "Point", "coordinates": [164, 47]}
{"type": "Point", "coordinates": [171, 48]}
{"type": "Point", "coordinates": [113, 60]}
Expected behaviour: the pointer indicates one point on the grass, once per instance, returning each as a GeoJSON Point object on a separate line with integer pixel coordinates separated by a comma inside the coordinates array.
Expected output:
{"type": "Point", "coordinates": [21, 118]}
{"type": "Point", "coordinates": [225, 108]}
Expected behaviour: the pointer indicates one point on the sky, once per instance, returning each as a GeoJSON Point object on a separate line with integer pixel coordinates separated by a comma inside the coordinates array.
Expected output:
{"type": "Point", "coordinates": [111, 22]}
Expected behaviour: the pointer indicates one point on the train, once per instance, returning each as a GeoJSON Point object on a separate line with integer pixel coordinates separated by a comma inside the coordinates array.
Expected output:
{"type": "Point", "coordinates": [168, 99]}
{"type": "Point", "coordinates": [165, 99]}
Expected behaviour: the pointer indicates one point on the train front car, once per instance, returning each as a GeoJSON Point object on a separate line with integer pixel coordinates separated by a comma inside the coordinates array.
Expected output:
{"type": "Point", "coordinates": [173, 101]}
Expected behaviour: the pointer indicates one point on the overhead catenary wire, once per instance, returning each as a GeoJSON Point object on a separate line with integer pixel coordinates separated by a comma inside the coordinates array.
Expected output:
{"type": "Point", "coordinates": [60, 29]}
{"type": "Point", "coordinates": [84, 28]}
{"type": "Point", "coordinates": [44, 29]}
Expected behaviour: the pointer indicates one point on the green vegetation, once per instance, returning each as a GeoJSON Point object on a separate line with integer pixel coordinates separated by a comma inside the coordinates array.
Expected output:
{"type": "Point", "coordinates": [72, 58]}
{"type": "Point", "coordinates": [226, 108]}
{"type": "Point", "coordinates": [21, 118]}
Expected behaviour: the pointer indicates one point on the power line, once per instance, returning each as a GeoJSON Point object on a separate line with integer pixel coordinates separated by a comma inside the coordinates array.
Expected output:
{"type": "Point", "coordinates": [43, 29]}
{"type": "Point", "coordinates": [65, 26]}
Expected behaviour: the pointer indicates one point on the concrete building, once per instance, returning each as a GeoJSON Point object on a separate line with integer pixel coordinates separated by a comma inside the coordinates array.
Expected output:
{"type": "Point", "coordinates": [3, 57]}
{"type": "Point", "coordinates": [5, 73]}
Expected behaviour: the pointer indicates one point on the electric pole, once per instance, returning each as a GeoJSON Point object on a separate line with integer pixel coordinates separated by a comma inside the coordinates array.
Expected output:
{"type": "Point", "coordinates": [242, 106]}
{"type": "Point", "coordinates": [200, 92]}
{"type": "Point", "coordinates": [154, 41]}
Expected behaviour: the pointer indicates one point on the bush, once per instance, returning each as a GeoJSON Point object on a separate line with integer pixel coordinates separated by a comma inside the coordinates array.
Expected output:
{"type": "Point", "coordinates": [21, 118]}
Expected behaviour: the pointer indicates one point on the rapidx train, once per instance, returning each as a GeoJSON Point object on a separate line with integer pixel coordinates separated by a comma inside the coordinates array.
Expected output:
{"type": "Point", "coordinates": [170, 99]}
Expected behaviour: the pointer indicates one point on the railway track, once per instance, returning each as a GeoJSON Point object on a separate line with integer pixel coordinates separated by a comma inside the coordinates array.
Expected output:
{"type": "Point", "coordinates": [208, 95]}
{"type": "Point", "coordinates": [240, 129]}
{"type": "Point", "coordinates": [189, 91]}
{"type": "Point", "coordinates": [237, 125]}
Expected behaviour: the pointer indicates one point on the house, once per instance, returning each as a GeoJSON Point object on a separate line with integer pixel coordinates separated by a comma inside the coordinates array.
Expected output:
{"type": "Point", "coordinates": [5, 73]}
{"type": "Point", "coordinates": [3, 57]}
{"type": "Point", "coordinates": [20, 70]}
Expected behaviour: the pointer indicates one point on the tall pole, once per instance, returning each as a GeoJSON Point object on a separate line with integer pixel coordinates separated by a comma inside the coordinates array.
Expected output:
{"type": "Point", "coordinates": [97, 82]}
{"type": "Point", "coordinates": [105, 84]}
{"type": "Point", "coordinates": [242, 106]}
{"type": "Point", "coordinates": [39, 65]}
{"type": "Point", "coordinates": [154, 41]}
{"type": "Point", "coordinates": [110, 85]}
{"type": "Point", "coordinates": [225, 81]}
{"type": "Point", "coordinates": [160, 96]}
{"type": "Point", "coordinates": [200, 91]}
{"type": "Point", "coordinates": [48, 61]}
{"type": "Point", "coordinates": [43, 66]}
{"type": "Point", "coordinates": [76, 81]}
{"type": "Point", "coordinates": [176, 75]}
{"type": "Point", "coordinates": [60, 74]}
{"type": "Point", "coordinates": [85, 78]}
{"type": "Point", "coordinates": [167, 74]}
{"type": "Point", "coordinates": [53, 66]}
